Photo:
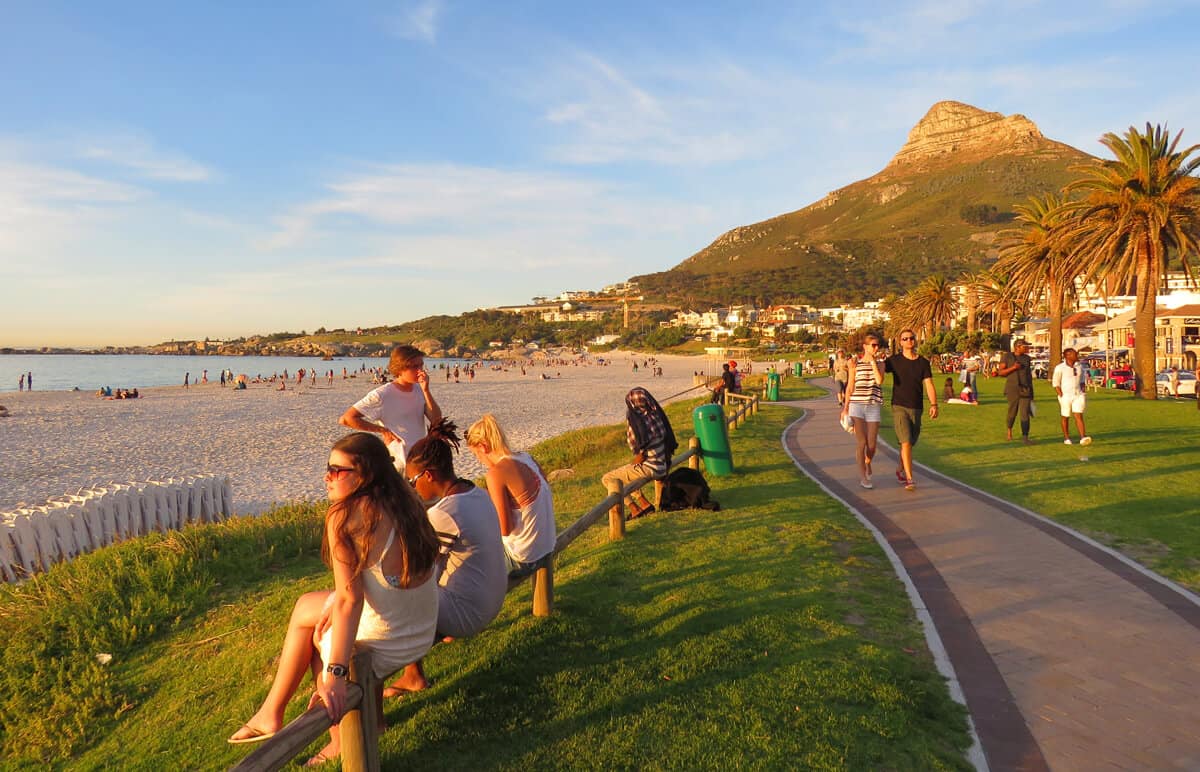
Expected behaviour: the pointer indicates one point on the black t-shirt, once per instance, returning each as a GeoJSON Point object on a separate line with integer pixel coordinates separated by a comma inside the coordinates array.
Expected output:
{"type": "Point", "coordinates": [730, 381]}
{"type": "Point", "coordinates": [908, 377]}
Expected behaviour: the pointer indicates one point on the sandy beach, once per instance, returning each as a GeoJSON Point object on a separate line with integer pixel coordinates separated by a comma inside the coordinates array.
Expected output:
{"type": "Point", "coordinates": [274, 444]}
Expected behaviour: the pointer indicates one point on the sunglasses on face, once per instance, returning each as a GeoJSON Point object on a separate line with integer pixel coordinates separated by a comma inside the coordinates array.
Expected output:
{"type": "Point", "coordinates": [413, 480]}
{"type": "Point", "coordinates": [333, 472]}
{"type": "Point", "coordinates": [907, 337]}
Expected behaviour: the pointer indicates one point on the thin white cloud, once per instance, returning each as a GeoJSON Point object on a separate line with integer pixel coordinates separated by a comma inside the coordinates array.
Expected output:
{"type": "Point", "coordinates": [419, 21]}
{"type": "Point", "coordinates": [143, 158]}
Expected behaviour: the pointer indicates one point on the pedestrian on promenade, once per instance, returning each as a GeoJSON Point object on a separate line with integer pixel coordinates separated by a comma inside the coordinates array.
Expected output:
{"type": "Point", "coordinates": [1016, 367]}
{"type": "Point", "coordinates": [841, 374]}
{"type": "Point", "coordinates": [863, 404]}
{"type": "Point", "coordinates": [398, 410]}
{"type": "Point", "coordinates": [1070, 384]}
{"type": "Point", "coordinates": [1174, 381]}
{"type": "Point", "coordinates": [911, 374]}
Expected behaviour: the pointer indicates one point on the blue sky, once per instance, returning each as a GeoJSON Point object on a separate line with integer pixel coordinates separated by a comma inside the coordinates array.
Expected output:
{"type": "Point", "coordinates": [183, 170]}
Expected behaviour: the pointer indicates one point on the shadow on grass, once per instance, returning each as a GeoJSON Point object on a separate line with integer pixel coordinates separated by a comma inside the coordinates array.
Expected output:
{"type": "Point", "coordinates": [756, 643]}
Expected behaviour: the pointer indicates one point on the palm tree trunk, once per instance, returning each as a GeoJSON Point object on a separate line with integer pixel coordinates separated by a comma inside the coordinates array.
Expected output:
{"type": "Point", "coordinates": [972, 300]}
{"type": "Point", "coordinates": [1055, 300]}
{"type": "Point", "coordinates": [1144, 325]}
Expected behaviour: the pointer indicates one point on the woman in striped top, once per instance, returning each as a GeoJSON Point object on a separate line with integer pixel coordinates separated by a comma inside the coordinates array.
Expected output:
{"type": "Point", "coordinates": [866, 398]}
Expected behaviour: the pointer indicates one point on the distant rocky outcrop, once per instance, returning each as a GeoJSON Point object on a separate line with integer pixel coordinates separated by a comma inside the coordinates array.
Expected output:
{"type": "Point", "coordinates": [954, 129]}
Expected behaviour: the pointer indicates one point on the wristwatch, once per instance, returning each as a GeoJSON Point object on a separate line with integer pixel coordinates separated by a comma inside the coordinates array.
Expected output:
{"type": "Point", "coordinates": [338, 671]}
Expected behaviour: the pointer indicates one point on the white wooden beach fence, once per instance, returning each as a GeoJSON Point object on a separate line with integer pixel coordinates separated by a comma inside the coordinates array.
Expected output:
{"type": "Point", "coordinates": [33, 538]}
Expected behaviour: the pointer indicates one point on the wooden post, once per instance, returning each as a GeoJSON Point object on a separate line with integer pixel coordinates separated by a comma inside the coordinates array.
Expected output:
{"type": "Point", "coordinates": [616, 515]}
{"type": "Point", "coordinates": [694, 460]}
{"type": "Point", "coordinates": [360, 727]}
{"type": "Point", "coordinates": [543, 588]}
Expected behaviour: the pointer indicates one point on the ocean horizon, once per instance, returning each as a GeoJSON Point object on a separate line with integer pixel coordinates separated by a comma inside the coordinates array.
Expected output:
{"type": "Point", "coordinates": [89, 372]}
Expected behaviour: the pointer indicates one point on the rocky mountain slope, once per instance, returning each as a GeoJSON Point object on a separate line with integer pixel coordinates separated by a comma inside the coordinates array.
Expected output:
{"type": "Point", "coordinates": [936, 207]}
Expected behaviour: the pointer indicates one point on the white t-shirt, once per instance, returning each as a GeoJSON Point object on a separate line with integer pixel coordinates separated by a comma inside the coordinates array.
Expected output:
{"type": "Point", "coordinates": [533, 537]}
{"type": "Point", "coordinates": [1069, 379]}
{"type": "Point", "coordinates": [471, 587]}
{"type": "Point", "coordinates": [400, 412]}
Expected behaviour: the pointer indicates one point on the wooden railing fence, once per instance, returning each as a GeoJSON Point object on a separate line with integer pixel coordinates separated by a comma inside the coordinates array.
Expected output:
{"type": "Point", "coordinates": [359, 726]}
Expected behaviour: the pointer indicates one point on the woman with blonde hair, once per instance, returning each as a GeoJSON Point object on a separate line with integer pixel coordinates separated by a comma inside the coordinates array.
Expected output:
{"type": "Point", "coordinates": [863, 405]}
{"type": "Point", "coordinates": [522, 497]}
{"type": "Point", "coordinates": [382, 550]}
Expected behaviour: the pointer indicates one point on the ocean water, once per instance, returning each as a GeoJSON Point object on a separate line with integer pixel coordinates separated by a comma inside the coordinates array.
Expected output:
{"type": "Point", "coordinates": [88, 372]}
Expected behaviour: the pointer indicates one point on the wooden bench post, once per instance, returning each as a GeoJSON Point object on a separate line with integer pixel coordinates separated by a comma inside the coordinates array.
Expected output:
{"type": "Point", "coordinates": [616, 515]}
{"type": "Point", "coordinates": [543, 588]}
{"type": "Point", "coordinates": [360, 727]}
{"type": "Point", "coordinates": [694, 459]}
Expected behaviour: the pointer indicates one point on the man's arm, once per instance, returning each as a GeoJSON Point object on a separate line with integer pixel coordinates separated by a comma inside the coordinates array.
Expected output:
{"type": "Point", "coordinates": [354, 420]}
{"type": "Point", "coordinates": [931, 392]}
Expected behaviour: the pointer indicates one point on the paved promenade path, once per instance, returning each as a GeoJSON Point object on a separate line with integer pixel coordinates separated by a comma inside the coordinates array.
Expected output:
{"type": "Point", "coordinates": [1069, 657]}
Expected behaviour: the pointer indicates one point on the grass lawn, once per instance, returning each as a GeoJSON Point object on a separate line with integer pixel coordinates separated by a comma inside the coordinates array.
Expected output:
{"type": "Point", "coordinates": [1136, 488]}
{"type": "Point", "coordinates": [771, 635]}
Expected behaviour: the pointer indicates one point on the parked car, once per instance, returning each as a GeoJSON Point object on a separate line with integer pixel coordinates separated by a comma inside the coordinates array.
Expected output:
{"type": "Point", "coordinates": [1121, 379]}
{"type": "Point", "coordinates": [1187, 383]}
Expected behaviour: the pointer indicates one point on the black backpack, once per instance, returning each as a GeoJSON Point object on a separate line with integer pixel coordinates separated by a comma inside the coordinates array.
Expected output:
{"type": "Point", "coordinates": [686, 488]}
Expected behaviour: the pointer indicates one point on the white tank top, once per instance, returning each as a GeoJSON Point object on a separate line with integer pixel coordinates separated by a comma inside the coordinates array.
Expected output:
{"type": "Point", "coordinates": [534, 535]}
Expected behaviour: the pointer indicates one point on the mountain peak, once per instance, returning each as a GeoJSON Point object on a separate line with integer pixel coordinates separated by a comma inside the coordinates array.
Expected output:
{"type": "Point", "coordinates": [956, 129]}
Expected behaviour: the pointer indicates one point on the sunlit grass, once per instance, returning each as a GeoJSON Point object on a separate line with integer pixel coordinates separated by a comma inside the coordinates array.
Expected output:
{"type": "Point", "coordinates": [770, 635]}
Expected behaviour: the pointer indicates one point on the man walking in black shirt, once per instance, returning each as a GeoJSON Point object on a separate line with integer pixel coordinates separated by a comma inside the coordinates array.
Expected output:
{"type": "Point", "coordinates": [910, 374]}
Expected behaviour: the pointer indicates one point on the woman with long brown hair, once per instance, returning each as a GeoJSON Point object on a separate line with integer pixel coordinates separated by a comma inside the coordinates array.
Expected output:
{"type": "Point", "coordinates": [382, 551]}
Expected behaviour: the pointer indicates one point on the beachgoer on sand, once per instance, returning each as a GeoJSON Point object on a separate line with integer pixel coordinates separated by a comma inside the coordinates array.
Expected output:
{"type": "Point", "coordinates": [522, 497]}
{"type": "Point", "coordinates": [397, 410]}
{"type": "Point", "coordinates": [652, 440]}
{"type": "Point", "coordinates": [382, 550]}
{"type": "Point", "coordinates": [471, 565]}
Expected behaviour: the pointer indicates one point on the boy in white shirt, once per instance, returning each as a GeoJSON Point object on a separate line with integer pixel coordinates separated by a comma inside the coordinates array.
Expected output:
{"type": "Point", "coordinates": [1070, 383]}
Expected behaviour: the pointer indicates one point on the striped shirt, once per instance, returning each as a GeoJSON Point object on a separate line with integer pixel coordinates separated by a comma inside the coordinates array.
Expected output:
{"type": "Point", "coordinates": [866, 389]}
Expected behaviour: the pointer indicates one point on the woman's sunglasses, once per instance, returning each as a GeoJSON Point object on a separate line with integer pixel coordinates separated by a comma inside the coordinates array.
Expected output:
{"type": "Point", "coordinates": [334, 472]}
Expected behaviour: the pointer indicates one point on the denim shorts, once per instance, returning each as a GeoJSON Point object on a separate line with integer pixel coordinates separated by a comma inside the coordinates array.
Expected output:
{"type": "Point", "coordinates": [867, 411]}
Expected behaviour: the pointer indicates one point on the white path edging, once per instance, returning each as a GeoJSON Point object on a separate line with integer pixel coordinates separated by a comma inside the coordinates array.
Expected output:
{"type": "Point", "coordinates": [934, 641]}
{"type": "Point", "coordinates": [33, 538]}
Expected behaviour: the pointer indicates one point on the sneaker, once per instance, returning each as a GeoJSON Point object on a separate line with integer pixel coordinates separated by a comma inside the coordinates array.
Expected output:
{"type": "Point", "coordinates": [866, 484]}
{"type": "Point", "coordinates": [909, 485]}
{"type": "Point", "coordinates": [900, 476]}
{"type": "Point", "coordinates": [1086, 441]}
{"type": "Point", "coordinates": [1067, 441]}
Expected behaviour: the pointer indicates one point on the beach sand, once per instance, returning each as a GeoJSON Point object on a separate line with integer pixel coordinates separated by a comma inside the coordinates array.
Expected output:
{"type": "Point", "coordinates": [274, 444]}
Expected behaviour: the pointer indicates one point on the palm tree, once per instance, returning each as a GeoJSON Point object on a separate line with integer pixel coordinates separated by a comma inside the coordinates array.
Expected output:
{"type": "Point", "coordinates": [1136, 211]}
{"type": "Point", "coordinates": [992, 290]}
{"type": "Point", "coordinates": [1037, 262]}
{"type": "Point", "coordinates": [934, 303]}
{"type": "Point", "coordinates": [968, 282]}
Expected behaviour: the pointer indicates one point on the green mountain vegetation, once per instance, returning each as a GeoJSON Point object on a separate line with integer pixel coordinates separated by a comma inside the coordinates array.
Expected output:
{"type": "Point", "coordinates": [929, 211]}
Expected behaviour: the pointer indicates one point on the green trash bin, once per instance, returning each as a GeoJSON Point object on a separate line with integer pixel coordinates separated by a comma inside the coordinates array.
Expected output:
{"type": "Point", "coordinates": [773, 387]}
{"type": "Point", "coordinates": [798, 368]}
{"type": "Point", "coordinates": [709, 424]}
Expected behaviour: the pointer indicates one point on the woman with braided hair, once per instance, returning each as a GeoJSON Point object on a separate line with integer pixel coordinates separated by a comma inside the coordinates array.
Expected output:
{"type": "Point", "coordinates": [472, 574]}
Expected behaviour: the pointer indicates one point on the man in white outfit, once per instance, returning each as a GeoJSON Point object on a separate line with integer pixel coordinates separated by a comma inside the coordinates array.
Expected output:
{"type": "Point", "coordinates": [1070, 384]}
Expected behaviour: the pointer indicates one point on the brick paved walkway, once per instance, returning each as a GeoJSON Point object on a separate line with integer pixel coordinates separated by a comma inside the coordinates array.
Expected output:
{"type": "Point", "coordinates": [1069, 657]}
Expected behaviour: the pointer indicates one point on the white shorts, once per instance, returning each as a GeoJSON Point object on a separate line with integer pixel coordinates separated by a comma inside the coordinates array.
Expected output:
{"type": "Point", "coordinates": [867, 411]}
{"type": "Point", "coordinates": [1068, 405]}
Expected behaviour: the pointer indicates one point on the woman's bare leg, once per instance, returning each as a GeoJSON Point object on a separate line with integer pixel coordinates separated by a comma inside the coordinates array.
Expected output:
{"type": "Point", "coordinates": [297, 657]}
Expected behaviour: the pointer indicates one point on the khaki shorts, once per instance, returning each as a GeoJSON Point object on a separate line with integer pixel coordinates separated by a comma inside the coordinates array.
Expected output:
{"type": "Point", "coordinates": [907, 422]}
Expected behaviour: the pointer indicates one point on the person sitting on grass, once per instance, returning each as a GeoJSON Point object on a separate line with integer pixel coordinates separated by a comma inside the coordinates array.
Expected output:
{"type": "Point", "coordinates": [522, 497]}
{"type": "Point", "coordinates": [472, 569]}
{"type": "Point", "coordinates": [382, 550]}
{"type": "Point", "coordinates": [650, 437]}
